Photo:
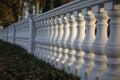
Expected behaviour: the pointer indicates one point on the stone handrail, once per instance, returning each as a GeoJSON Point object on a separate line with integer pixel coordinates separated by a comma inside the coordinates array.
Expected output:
{"type": "Point", "coordinates": [81, 37]}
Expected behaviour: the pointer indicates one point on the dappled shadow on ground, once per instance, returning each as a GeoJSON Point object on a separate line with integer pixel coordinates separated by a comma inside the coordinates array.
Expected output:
{"type": "Point", "coordinates": [16, 64]}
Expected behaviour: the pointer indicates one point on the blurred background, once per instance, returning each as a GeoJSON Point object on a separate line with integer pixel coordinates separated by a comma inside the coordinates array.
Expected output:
{"type": "Point", "coordinates": [13, 10]}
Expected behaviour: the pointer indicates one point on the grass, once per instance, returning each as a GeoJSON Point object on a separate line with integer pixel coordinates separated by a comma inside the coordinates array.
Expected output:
{"type": "Point", "coordinates": [17, 64]}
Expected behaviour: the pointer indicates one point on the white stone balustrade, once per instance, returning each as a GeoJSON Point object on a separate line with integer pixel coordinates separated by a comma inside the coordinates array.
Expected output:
{"type": "Point", "coordinates": [58, 39]}
{"type": "Point", "coordinates": [87, 44]}
{"type": "Point", "coordinates": [4, 34]}
{"type": "Point", "coordinates": [37, 39]}
{"type": "Point", "coordinates": [44, 39]}
{"type": "Point", "coordinates": [70, 42]}
{"type": "Point", "coordinates": [61, 36]}
{"type": "Point", "coordinates": [0, 34]}
{"type": "Point", "coordinates": [81, 37]}
{"type": "Point", "coordinates": [10, 34]}
{"type": "Point", "coordinates": [47, 40]}
{"type": "Point", "coordinates": [99, 43]}
{"type": "Point", "coordinates": [54, 40]}
{"type": "Point", "coordinates": [50, 40]}
{"type": "Point", "coordinates": [61, 63]}
{"type": "Point", "coordinates": [112, 47]}
{"type": "Point", "coordinates": [22, 34]}
{"type": "Point", "coordinates": [40, 38]}
{"type": "Point", "coordinates": [78, 42]}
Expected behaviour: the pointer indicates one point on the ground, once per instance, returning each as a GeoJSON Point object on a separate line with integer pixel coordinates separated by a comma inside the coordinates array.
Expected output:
{"type": "Point", "coordinates": [17, 64]}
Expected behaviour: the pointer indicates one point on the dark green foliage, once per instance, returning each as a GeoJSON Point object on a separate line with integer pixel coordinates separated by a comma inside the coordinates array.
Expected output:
{"type": "Point", "coordinates": [16, 64]}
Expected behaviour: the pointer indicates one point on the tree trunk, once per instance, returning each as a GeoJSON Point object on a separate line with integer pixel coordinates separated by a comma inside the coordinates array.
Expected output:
{"type": "Point", "coordinates": [15, 12]}
{"type": "Point", "coordinates": [37, 6]}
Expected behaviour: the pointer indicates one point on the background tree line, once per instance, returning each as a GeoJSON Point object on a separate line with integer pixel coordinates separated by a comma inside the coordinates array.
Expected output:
{"type": "Point", "coordinates": [11, 10]}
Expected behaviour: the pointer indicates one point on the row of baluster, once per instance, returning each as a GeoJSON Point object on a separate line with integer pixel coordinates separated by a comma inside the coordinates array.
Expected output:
{"type": "Point", "coordinates": [84, 42]}
{"type": "Point", "coordinates": [80, 42]}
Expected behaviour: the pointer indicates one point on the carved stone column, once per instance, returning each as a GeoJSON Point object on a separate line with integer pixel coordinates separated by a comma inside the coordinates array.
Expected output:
{"type": "Point", "coordinates": [78, 42]}
{"type": "Point", "coordinates": [36, 38]}
{"type": "Point", "coordinates": [87, 44]}
{"type": "Point", "coordinates": [54, 40]}
{"type": "Point", "coordinates": [40, 37]}
{"type": "Point", "coordinates": [69, 43]}
{"type": "Point", "coordinates": [47, 39]}
{"type": "Point", "coordinates": [63, 42]}
{"type": "Point", "coordinates": [112, 48]}
{"type": "Point", "coordinates": [51, 39]}
{"type": "Point", "coordinates": [43, 39]}
{"type": "Point", "coordinates": [99, 43]}
{"type": "Point", "coordinates": [59, 37]}
{"type": "Point", "coordinates": [38, 32]}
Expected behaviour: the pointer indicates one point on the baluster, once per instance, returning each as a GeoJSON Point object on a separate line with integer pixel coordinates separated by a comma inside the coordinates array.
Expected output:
{"type": "Point", "coordinates": [69, 43]}
{"type": "Point", "coordinates": [40, 37]}
{"type": "Point", "coordinates": [59, 37]}
{"type": "Point", "coordinates": [56, 40]}
{"type": "Point", "coordinates": [51, 39]}
{"type": "Point", "coordinates": [87, 44]}
{"type": "Point", "coordinates": [78, 42]}
{"type": "Point", "coordinates": [48, 39]}
{"type": "Point", "coordinates": [36, 38]}
{"type": "Point", "coordinates": [45, 38]}
{"type": "Point", "coordinates": [55, 37]}
{"type": "Point", "coordinates": [7, 34]}
{"type": "Point", "coordinates": [112, 48]}
{"type": "Point", "coordinates": [99, 43]}
{"type": "Point", "coordinates": [38, 42]}
{"type": "Point", "coordinates": [63, 41]}
{"type": "Point", "coordinates": [42, 41]}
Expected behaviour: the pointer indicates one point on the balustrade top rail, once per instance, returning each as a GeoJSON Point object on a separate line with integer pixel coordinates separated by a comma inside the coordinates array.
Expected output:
{"type": "Point", "coordinates": [69, 7]}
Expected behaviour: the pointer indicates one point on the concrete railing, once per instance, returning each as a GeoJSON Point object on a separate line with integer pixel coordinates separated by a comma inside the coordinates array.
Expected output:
{"type": "Point", "coordinates": [0, 34]}
{"type": "Point", "coordinates": [81, 37]}
{"type": "Point", "coordinates": [22, 34]}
